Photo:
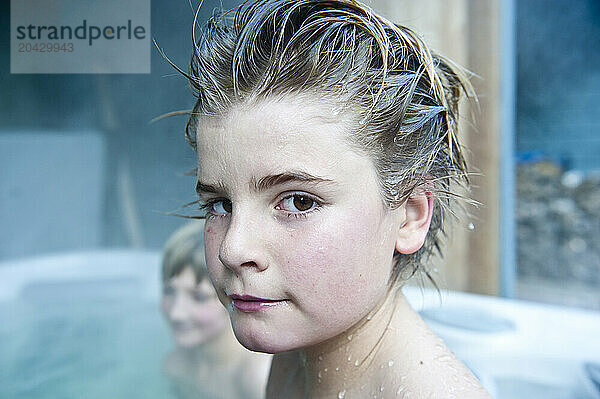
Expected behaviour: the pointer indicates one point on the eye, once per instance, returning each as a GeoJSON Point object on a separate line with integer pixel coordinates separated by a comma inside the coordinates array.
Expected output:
{"type": "Point", "coordinates": [298, 203]}
{"type": "Point", "coordinates": [201, 296]}
{"type": "Point", "coordinates": [220, 207]}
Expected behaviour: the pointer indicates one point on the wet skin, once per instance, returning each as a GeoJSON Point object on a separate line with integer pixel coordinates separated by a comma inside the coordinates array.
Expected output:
{"type": "Point", "coordinates": [299, 247]}
{"type": "Point", "coordinates": [306, 215]}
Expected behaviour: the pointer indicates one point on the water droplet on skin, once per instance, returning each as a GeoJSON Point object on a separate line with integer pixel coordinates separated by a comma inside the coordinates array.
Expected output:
{"type": "Point", "coordinates": [319, 375]}
{"type": "Point", "coordinates": [471, 226]}
{"type": "Point", "coordinates": [390, 363]}
{"type": "Point", "coordinates": [350, 337]}
{"type": "Point", "coordinates": [349, 357]}
{"type": "Point", "coordinates": [341, 394]}
{"type": "Point", "coordinates": [356, 363]}
{"type": "Point", "coordinates": [325, 370]}
{"type": "Point", "coordinates": [405, 394]}
{"type": "Point", "coordinates": [444, 358]}
{"type": "Point", "coordinates": [320, 358]}
{"type": "Point", "coordinates": [381, 389]}
{"type": "Point", "coordinates": [369, 317]}
{"type": "Point", "coordinates": [337, 369]}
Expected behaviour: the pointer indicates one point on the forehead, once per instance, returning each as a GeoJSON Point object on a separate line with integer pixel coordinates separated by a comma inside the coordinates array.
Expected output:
{"type": "Point", "coordinates": [274, 135]}
{"type": "Point", "coordinates": [185, 278]}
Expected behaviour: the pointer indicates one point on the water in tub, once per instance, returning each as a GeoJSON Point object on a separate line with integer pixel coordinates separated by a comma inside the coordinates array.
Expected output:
{"type": "Point", "coordinates": [83, 339]}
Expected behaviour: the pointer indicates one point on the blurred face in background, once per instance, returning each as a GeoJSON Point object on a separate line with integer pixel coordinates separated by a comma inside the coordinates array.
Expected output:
{"type": "Point", "coordinates": [192, 309]}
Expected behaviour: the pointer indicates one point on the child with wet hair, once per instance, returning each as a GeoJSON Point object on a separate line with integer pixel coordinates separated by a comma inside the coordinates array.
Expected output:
{"type": "Point", "coordinates": [327, 157]}
{"type": "Point", "coordinates": [208, 357]}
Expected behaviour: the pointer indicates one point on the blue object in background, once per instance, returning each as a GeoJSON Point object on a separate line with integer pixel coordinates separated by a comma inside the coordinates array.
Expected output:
{"type": "Point", "coordinates": [558, 80]}
{"type": "Point", "coordinates": [52, 191]}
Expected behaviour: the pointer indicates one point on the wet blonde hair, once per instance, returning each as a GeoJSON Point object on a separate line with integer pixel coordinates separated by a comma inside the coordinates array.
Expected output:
{"type": "Point", "coordinates": [403, 97]}
{"type": "Point", "coordinates": [185, 248]}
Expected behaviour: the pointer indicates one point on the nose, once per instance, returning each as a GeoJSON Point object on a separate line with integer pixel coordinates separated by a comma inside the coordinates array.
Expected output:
{"type": "Point", "coordinates": [179, 308]}
{"type": "Point", "coordinates": [241, 247]}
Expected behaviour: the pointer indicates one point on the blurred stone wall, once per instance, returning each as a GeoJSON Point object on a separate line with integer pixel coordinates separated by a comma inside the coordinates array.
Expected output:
{"type": "Point", "coordinates": [558, 218]}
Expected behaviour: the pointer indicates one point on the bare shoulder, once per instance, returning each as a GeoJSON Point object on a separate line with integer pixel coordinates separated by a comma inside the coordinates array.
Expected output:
{"type": "Point", "coordinates": [453, 375]}
{"type": "Point", "coordinates": [450, 372]}
{"type": "Point", "coordinates": [437, 376]}
{"type": "Point", "coordinates": [427, 367]}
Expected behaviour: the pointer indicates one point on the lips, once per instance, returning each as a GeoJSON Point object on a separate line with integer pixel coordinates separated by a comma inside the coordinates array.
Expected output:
{"type": "Point", "coordinates": [249, 303]}
{"type": "Point", "coordinates": [182, 327]}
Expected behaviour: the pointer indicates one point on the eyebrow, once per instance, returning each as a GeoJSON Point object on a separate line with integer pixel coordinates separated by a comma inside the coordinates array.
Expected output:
{"type": "Point", "coordinates": [207, 188]}
{"type": "Point", "coordinates": [267, 182]}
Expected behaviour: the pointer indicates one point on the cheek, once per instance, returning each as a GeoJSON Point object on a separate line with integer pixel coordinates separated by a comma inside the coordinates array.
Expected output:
{"type": "Point", "coordinates": [210, 313]}
{"type": "Point", "coordinates": [165, 306]}
{"type": "Point", "coordinates": [214, 232]}
{"type": "Point", "coordinates": [345, 256]}
{"type": "Point", "coordinates": [212, 241]}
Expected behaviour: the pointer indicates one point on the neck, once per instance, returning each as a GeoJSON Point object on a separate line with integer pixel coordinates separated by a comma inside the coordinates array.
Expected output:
{"type": "Point", "coordinates": [353, 360]}
{"type": "Point", "coordinates": [223, 348]}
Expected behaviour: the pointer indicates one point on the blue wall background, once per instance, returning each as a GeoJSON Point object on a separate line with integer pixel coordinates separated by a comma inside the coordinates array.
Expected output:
{"type": "Point", "coordinates": [142, 162]}
{"type": "Point", "coordinates": [558, 87]}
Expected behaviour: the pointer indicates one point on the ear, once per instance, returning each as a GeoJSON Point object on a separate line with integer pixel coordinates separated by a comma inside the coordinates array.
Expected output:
{"type": "Point", "coordinates": [418, 210]}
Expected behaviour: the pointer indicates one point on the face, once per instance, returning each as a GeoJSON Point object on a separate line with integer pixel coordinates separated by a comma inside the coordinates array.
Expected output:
{"type": "Point", "coordinates": [298, 242]}
{"type": "Point", "coordinates": [192, 309]}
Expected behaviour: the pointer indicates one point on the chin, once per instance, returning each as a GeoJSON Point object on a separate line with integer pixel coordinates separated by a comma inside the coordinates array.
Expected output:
{"type": "Point", "coordinates": [263, 347]}
{"type": "Point", "coordinates": [187, 341]}
{"type": "Point", "coordinates": [264, 341]}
